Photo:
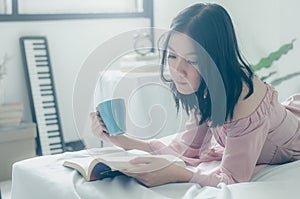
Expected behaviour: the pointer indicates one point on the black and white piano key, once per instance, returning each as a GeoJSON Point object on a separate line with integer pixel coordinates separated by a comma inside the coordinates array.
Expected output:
{"type": "Point", "coordinates": [39, 66]}
{"type": "Point", "coordinates": [32, 52]}
{"type": "Point", "coordinates": [51, 103]}
{"type": "Point", "coordinates": [48, 138]}
{"type": "Point", "coordinates": [41, 63]}
{"type": "Point", "coordinates": [32, 61]}
{"type": "Point", "coordinates": [43, 94]}
{"type": "Point", "coordinates": [41, 111]}
{"type": "Point", "coordinates": [48, 128]}
{"type": "Point", "coordinates": [42, 70]}
{"type": "Point", "coordinates": [49, 114]}
{"type": "Point", "coordinates": [44, 75]}
{"type": "Point", "coordinates": [46, 93]}
{"type": "Point", "coordinates": [31, 46]}
{"type": "Point", "coordinates": [45, 86]}
{"type": "Point", "coordinates": [42, 120]}
{"type": "Point", "coordinates": [53, 121]}
{"type": "Point", "coordinates": [57, 132]}
{"type": "Point", "coordinates": [37, 81]}
{"type": "Point", "coordinates": [57, 151]}
{"type": "Point", "coordinates": [53, 134]}
{"type": "Point", "coordinates": [45, 114]}
{"type": "Point", "coordinates": [46, 99]}
{"type": "Point", "coordinates": [46, 104]}
{"type": "Point", "coordinates": [56, 144]}
{"type": "Point", "coordinates": [52, 148]}
{"type": "Point", "coordinates": [39, 58]}
{"type": "Point", "coordinates": [48, 150]}
{"type": "Point", "coordinates": [50, 106]}
{"type": "Point", "coordinates": [36, 41]}
{"type": "Point", "coordinates": [46, 89]}
{"type": "Point", "coordinates": [40, 97]}
{"type": "Point", "coordinates": [51, 118]}
{"type": "Point", "coordinates": [55, 147]}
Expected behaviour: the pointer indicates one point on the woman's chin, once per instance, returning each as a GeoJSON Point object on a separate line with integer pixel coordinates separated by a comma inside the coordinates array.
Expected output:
{"type": "Point", "coordinates": [184, 91]}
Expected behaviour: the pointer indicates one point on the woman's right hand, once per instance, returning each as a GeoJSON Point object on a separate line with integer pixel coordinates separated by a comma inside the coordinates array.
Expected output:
{"type": "Point", "coordinates": [125, 142]}
{"type": "Point", "coordinates": [98, 127]}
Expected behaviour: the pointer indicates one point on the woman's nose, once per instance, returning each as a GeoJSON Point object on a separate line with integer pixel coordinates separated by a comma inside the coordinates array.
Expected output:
{"type": "Point", "coordinates": [179, 65]}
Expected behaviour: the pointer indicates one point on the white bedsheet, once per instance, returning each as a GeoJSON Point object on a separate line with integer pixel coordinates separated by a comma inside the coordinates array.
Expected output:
{"type": "Point", "coordinates": [45, 177]}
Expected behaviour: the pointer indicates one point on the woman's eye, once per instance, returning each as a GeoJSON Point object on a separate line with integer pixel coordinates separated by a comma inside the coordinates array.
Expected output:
{"type": "Point", "coordinates": [192, 62]}
{"type": "Point", "coordinates": [171, 57]}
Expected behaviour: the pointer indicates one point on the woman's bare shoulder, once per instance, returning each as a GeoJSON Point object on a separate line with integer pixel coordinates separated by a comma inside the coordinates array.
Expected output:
{"type": "Point", "coordinates": [245, 107]}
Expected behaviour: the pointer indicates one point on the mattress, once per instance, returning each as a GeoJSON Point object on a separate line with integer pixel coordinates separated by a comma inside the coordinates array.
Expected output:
{"type": "Point", "coordinates": [45, 177]}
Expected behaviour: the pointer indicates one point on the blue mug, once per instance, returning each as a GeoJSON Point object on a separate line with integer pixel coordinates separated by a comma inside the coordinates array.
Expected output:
{"type": "Point", "coordinates": [113, 114]}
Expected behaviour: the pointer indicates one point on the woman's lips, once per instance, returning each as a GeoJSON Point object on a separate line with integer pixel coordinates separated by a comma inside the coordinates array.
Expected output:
{"type": "Point", "coordinates": [181, 83]}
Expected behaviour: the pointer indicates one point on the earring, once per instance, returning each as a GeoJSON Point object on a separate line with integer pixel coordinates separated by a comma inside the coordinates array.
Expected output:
{"type": "Point", "coordinates": [205, 94]}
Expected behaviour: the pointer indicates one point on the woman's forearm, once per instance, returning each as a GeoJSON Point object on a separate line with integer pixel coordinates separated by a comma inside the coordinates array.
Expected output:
{"type": "Point", "coordinates": [181, 174]}
{"type": "Point", "coordinates": [129, 143]}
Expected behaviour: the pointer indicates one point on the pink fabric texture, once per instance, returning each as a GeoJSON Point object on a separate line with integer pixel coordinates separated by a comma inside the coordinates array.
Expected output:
{"type": "Point", "coordinates": [270, 135]}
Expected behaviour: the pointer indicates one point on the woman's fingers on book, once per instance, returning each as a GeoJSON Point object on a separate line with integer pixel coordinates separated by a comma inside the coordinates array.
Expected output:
{"type": "Point", "coordinates": [148, 164]}
{"type": "Point", "coordinates": [140, 160]}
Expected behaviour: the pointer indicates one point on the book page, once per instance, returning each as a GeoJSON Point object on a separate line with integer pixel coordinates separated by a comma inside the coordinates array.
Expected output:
{"type": "Point", "coordinates": [122, 162]}
{"type": "Point", "coordinates": [80, 164]}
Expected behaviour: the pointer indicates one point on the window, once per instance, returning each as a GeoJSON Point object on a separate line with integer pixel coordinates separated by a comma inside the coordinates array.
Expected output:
{"type": "Point", "coordinates": [22, 10]}
{"type": "Point", "coordinates": [79, 6]}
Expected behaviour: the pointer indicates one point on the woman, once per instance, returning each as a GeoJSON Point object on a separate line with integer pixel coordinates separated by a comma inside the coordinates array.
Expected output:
{"type": "Point", "coordinates": [230, 104]}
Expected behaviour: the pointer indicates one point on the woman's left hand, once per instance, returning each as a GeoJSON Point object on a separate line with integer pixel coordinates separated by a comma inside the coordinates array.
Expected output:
{"type": "Point", "coordinates": [153, 171]}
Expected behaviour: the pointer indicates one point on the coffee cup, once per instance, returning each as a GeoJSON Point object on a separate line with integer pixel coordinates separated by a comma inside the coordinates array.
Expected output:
{"type": "Point", "coordinates": [113, 114]}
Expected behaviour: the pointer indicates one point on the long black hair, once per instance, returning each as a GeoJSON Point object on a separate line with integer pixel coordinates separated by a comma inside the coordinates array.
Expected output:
{"type": "Point", "coordinates": [211, 27]}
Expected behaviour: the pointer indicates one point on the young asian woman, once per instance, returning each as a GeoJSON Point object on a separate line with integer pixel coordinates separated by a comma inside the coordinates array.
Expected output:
{"type": "Point", "coordinates": [225, 100]}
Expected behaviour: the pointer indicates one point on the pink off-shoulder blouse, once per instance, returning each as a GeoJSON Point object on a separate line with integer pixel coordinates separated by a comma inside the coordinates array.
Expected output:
{"type": "Point", "coordinates": [270, 135]}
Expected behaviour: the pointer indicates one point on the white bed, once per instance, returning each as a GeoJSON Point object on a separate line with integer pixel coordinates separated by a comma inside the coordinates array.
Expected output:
{"type": "Point", "coordinates": [45, 177]}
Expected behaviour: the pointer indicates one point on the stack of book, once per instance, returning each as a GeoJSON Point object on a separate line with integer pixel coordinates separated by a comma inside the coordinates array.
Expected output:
{"type": "Point", "coordinates": [11, 114]}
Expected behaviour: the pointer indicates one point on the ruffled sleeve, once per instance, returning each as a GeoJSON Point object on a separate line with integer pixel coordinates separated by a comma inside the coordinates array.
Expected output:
{"type": "Point", "coordinates": [188, 144]}
{"type": "Point", "coordinates": [244, 144]}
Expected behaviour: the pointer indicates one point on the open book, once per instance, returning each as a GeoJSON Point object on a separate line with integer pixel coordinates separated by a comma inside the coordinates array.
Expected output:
{"type": "Point", "coordinates": [98, 166]}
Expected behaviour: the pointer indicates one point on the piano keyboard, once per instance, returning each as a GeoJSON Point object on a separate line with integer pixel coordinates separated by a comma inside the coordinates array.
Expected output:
{"type": "Point", "coordinates": [43, 100]}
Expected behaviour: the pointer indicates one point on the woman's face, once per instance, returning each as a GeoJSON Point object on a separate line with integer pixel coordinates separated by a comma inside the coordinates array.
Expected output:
{"type": "Point", "coordinates": [183, 63]}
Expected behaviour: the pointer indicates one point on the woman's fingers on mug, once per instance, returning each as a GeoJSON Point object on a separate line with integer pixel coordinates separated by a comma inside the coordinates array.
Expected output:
{"type": "Point", "coordinates": [100, 118]}
{"type": "Point", "coordinates": [96, 117]}
{"type": "Point", "coordinates": [93, 114]}
{"type": "Point", "coordinates": [101, 121]}
{"type": "Point", "coordinates": [98, 125]}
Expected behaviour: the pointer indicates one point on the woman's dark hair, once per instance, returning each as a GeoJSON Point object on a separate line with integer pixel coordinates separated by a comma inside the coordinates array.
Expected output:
{"type": "Point", "coordinates": [211, 27]}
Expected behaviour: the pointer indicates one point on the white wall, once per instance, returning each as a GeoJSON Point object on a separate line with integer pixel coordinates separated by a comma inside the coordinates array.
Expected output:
{"type": "Point", "coordinates": [165, 10]}
{"type": "Point", "coordinates": [70, 42]}
{"type": "Point", "coordinates": [262, 26]}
